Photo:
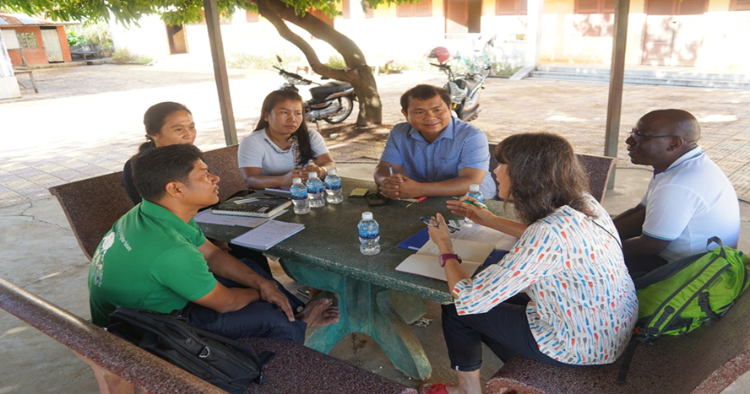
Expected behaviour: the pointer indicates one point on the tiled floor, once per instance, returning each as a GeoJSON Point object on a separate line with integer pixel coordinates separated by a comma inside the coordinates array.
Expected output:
{"type": "Point", "coordinates": [86, 121]}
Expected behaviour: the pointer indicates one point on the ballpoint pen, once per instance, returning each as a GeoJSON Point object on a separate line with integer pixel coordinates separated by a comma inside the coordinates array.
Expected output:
{"type": "Point", "coordinates": [390, 169]}
{"type": "Point", "coordinates": [476, 204]}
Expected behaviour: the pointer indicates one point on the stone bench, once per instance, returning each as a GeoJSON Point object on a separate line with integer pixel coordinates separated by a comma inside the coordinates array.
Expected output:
{"type": "Point", "coordinates": [85, 50]}
{"type": "Point", "coordinates": [92, 206]}
{"type": "Point", "coordinates": [704, 361]}
{"type": "Point", "coordinates": [121, 367]}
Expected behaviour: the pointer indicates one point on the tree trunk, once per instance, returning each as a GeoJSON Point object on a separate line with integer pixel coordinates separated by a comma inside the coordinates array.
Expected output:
{"type": "Point", "coordinates": [357, 72]}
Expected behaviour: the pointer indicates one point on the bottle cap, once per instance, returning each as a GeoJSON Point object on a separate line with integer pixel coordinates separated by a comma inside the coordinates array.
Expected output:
{"type": "Point", "coordinates": [332, 171]}
{"type": "Point", "coordinates": [366, 215]}
{"type": "Point", "coordinates": [297, 180]}
{"type": "Point", "coordinates": [474, 188]}
{"type": "Point", "coordinates": [313, 174]}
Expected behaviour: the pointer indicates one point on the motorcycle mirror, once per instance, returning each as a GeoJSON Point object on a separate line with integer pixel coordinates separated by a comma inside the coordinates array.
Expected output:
{"type": "Point", "coordinates": [279, 59]}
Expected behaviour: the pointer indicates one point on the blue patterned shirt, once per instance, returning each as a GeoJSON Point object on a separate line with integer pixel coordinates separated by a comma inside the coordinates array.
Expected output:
{"type": "Point", "coordinates": [583, 304]}
{"type": "Point", "coordinates": [460, 145]}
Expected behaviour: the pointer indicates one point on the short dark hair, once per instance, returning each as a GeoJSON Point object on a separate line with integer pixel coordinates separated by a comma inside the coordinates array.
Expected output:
{"type": "Point", "coordinates": [544, 173]}
{"type": "Point", "coordinates": [424, 92]}
{"type": "Point", "coordinates": [154, 119]}
{"type": "Point", "coordinates": [153, 169]}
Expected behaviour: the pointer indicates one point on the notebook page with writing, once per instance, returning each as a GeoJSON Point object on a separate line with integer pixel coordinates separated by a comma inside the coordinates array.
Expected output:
{"type": "Point", "coordinates": [425, 262]}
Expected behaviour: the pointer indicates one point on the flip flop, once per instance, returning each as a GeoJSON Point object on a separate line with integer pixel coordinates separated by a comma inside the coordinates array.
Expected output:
{"type": "Point", "coordinates": [433, 388]}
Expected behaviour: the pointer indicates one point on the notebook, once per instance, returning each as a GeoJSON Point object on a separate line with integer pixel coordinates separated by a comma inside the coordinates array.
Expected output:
{"type": "Point", "coordinates": [425, 261]}
{"type": "Point", "coordinates": [251, 206]}
{"type": "Point", "coordinates": [284, 191]}
{"type": "Point", "coordinates": [268, 234]}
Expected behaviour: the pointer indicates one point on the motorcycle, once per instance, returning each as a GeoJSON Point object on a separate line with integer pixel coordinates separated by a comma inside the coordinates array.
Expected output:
{"type": "Point", "coordinates": [331, 101]}
{"type": "Point", "coordinates": [463, 89]}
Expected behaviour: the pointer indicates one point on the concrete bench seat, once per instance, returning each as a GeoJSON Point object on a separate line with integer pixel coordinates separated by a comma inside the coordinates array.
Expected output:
{"type": "Point", "coordinates": [121, 367]}
{"type": "Point", "coordinates": [92, 206]}
{"type": "Point", "coordinates": [704, 361]}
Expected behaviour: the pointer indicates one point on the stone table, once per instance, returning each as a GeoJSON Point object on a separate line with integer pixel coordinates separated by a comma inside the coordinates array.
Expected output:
{"type": "Point", "coordinates": [374, 298]}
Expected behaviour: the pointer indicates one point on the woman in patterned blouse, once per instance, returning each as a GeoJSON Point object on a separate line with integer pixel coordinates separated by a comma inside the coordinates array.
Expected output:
{"type": "Point", "coordinates": [562, 295]}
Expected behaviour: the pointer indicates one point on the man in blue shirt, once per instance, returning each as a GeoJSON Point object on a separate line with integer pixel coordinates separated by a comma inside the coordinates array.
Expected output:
{"type": "Point", "coordinates": [433, 153]}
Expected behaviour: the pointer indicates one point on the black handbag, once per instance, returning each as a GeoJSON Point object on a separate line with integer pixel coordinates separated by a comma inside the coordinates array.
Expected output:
{"type": "Point", "coordinates": [223, 362]}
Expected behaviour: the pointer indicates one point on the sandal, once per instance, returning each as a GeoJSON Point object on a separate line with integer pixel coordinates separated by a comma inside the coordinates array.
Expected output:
{"type": "Point", "coordinates": [433, 388]}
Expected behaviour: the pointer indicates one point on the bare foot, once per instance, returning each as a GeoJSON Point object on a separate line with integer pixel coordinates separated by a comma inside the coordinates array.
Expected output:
{"type": "Point", "coordinates": [319, 313]}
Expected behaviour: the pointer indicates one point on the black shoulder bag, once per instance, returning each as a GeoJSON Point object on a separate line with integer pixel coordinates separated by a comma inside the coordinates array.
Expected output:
{"type": "Point", "coordinates": [225, 363]}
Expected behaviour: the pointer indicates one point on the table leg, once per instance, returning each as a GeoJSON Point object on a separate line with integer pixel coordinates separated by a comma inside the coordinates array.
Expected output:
{"type": "Point", "coordinates": [33, 82]}
{"type": "Point", "coordinates": [370, 310]}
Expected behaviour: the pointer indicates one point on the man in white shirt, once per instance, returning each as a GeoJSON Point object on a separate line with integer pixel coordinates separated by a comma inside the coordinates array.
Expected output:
{"type": "Point", "coordinates": [688, 201]}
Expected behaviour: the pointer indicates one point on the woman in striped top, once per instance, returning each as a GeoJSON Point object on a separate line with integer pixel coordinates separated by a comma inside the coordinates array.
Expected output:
{"type": "Point", "coordinates": [562, 295]}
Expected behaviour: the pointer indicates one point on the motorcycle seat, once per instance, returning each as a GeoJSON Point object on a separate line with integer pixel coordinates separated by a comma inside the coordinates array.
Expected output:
{"type": "Point", "coordinates": [472, 84]}
{"type": "Point", "coordinates": [324, 90]}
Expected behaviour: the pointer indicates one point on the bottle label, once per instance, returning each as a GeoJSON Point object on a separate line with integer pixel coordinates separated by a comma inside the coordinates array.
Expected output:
{"type": "Point", "coordinates": [331, 185]}
{"type": "Point", "coordinates": [314, 188]}
{"type": "Point", "coordinates": [369, 234]}
{"type": "Point", "coordinates": [299, 195]}
{"type": "Point", "coordinates": [477, 196]}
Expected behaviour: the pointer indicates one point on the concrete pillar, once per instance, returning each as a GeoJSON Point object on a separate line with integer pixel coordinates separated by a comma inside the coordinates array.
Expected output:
{"type": "Point", "coordinates": [8, 83]}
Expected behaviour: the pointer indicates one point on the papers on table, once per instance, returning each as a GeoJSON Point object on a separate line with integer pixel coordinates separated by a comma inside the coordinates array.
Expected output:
{"type": "Point", "coordinates": [243, 221]}
{"type": "Point", "coordinates": [478, 233]}
{"type": "Point", "coordinates": [268, 234]}
{"type": "Point", "coordinates": [467, 231]}
{"type": "Point", "coordinates": [426, 262]}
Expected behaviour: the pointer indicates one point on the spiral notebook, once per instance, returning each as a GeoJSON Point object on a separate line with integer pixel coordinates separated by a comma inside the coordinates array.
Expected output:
{"type": "Point", "coordinates": [251, 206]}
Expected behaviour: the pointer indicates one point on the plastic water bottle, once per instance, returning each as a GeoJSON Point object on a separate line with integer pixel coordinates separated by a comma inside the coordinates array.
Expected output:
{"type": "Point", "coordinates": [299, 197]}
{"type": "Point", "coordinates": [475, 194]}
{"type": "Point", "coordinates": [333, 187]}
{"type": "Point", "coordinates": [316, 191]}
{"type": "Point", "coordinates": [369, 235]}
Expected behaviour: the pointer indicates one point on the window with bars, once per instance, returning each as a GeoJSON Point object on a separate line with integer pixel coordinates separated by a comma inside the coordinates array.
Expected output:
{"type": "Point", "coordinates": [740, 5]}
{"type": "Point", "coordinates": [27, 40]}
{"type": "Point", "coordinates": [423, 8]}
{"type": "Point", "coordinates": [594, 6]}
{"type": "Point", "coordinates": [511, 7]}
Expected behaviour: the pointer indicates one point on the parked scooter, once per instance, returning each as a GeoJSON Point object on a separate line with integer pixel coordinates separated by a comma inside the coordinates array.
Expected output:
{"type": "Point", "coordinates": [331, 101]}
{"type": "Point", "coordinates": [463, 89]}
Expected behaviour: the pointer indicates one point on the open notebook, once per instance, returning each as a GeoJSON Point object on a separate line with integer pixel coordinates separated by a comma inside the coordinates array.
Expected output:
{"type": "Point", "coordinates": [426, 263]}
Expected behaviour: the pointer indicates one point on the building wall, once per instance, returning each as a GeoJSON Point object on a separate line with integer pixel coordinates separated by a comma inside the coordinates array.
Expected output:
{"type": "Point", "coordinates": [147, 40]}
{"type": "Point", "coordinates": [64, 44]}
{"type": "Point", "coordinates": [566, 36]}
{"type": "Point", "coordinates": [33, 56]}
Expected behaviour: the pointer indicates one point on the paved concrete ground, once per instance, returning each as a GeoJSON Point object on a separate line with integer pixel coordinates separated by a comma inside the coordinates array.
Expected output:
{"type": "Point", "coordinates": [86, 121]}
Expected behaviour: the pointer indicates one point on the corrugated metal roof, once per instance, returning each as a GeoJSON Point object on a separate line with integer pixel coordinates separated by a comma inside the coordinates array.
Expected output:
{"type": "Point", "coordinates": [25, 20]}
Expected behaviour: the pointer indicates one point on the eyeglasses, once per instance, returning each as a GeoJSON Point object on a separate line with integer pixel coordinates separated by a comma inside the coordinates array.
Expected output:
{"type": "Point", "coordinates": [638, 137]}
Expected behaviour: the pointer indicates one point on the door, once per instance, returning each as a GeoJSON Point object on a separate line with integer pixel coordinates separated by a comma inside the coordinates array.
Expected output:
{"type": "Point", "coordinates": [673, 29]}
{"type": "Point", "coordinates": [177, 39]}
{"type": "Point", "coordinates": [456, 17]}
{"type": "Point", "coordinates": [461, 17]}
{"type": "Point", "coordinates": [52, 45]}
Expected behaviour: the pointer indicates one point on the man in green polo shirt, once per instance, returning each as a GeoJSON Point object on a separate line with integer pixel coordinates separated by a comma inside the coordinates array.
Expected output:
{"type": "Point", "coordinates": [155, 257]}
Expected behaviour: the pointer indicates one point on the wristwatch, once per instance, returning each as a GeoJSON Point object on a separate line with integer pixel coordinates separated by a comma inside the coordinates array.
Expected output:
{"type": "Point", "coordinates": [447, 256]}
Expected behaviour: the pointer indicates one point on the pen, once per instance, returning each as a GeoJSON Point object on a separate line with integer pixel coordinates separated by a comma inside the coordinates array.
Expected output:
{"type": "Point", "coordinates": [390, 169]}
{"type": "Point", "coordinates": [476, 204]}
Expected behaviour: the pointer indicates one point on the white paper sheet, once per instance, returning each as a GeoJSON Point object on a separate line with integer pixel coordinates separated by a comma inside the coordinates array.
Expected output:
{"type": "Point", "coordinates": [268, 235]}
{"type": "Point", "coordinates": [478, 233]}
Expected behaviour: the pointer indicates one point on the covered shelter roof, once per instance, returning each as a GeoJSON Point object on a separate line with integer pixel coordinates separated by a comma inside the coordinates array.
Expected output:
{"type": "Point", "coordinates": [17, 20]}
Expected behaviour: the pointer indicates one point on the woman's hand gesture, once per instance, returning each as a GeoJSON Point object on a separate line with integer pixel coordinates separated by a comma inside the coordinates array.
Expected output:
{"type": "Point", "coordinates": [473, 212]}
{"type": "Point", "coordinates": [440, 235]}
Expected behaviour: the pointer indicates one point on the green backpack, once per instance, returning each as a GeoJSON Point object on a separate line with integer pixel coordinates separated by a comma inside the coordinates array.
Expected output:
{"type": "Point", "coordinates": [679, 297]}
